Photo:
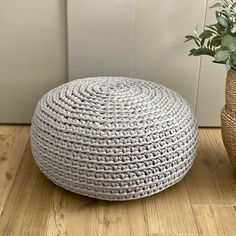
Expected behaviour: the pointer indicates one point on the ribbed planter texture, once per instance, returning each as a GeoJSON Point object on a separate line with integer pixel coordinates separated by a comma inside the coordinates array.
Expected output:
{"type": "Point", "coordinates": [228, 117]}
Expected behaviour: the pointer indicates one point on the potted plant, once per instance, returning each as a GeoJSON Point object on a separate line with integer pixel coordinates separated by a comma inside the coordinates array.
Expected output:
{"type": "Point", "coordinates": [219, 41]}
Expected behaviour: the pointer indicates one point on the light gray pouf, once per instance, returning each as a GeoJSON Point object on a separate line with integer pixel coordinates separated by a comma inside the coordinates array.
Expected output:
{"type": "Point", "coordinates": [113, 138]}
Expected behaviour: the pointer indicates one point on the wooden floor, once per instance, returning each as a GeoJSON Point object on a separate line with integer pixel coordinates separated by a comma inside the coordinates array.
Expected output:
{"type": "Point", "coordinates": [204, 203]}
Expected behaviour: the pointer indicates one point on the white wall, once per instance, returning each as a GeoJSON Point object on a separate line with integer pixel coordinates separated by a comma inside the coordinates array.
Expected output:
{"type": "Point", "coordinates": [32, 54]}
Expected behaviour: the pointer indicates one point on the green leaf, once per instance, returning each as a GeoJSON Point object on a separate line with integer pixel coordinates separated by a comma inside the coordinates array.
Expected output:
{"type": "Point", "coordinates": [233, 5]}
{"type": "Point", "coordinates": [212, 28]}
{"type": "Point", "coordinates": [201, 51]}
{"type": "Point", "coordinates": [219, 28]}
{"type": "Point", "coordinates": [229, 42]}
{"type": "Point", "coordinates": [216, 41]}
{"type": "Point", "coordinates": [202, 41]}
{"type": "Point", "coordinates": [208, 43]}
{"type": "Point", "coordinates": [191, 52]}
{"type": "Point", "coordinates": [230, 63]}
{"type": "Point", "coordinates": [219, 39]}
{"type": "Point", "coordinates": [221, 56]}
{"type": "Point", "coordinates": [206, 34]}
{"type": "Point", "coordinates": [196, 40]}
{"type": "Point", "coordinates": [223, 21]}
{"type": "Point", "coordinates": [189, 38]}
{"type": "Point", "coordinates": [216, 5]}
{"type": "Point", "coordinates": [224, 13]}
{"type": "Point", "coordinates": [233, 58]}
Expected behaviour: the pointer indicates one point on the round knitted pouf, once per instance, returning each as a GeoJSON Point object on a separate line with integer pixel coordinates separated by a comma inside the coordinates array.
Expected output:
{"type": "Point", "coordinates": [113, 138]}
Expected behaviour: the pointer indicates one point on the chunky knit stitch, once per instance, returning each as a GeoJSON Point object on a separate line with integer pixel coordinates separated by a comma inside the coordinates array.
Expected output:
{"type": "Point", "coordinates": [113, 138]}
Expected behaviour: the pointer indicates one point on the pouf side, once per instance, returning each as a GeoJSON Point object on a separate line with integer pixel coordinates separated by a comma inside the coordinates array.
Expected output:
{"type": "Point", "coordinates": [113, 138]}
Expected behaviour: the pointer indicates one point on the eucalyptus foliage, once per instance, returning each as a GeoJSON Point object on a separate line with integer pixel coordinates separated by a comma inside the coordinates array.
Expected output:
{"type": "Point", "coordinates": [218, 40]}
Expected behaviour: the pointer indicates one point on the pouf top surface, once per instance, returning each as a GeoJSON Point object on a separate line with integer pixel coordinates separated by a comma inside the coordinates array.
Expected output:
{"type": "Point", "coordinates": [113, 105]}
{"type": "Point", "coordinates": [105, 137]}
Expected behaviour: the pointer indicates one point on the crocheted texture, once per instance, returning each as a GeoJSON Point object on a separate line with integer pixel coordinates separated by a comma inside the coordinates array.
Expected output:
{"type": "Point", "coordinates": [113, 138]}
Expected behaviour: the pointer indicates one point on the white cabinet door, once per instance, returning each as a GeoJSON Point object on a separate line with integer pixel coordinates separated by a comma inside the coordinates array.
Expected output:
{"type": "Point", "coordinates": [211, 85]}
{"type": "Point", "coordinates": [100, 37]}
{"type": "Point", "coordinates": [160, 53]}
{"type": "Point", "coordinates": [32, 54]}
{"type": "Point", "coordinates": [137, 38]}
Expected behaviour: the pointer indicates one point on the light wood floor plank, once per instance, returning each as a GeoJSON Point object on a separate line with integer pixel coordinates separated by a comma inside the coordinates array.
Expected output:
{"type": "Point", "coordinates": [215, 220]}
{"type": "Point", "coordinates": [113, 217]}
{"type": "Point", "coordinates": [225, 171]}
{"type": "Point", "coordinates": [169, 212]}
{"type": "Point", "coordinates": [56, 224]}
{"type": "Point", "coordinates": [157, 215]}
{"type": "Point", "coordinates": [29, 201]}
{"type": "Point", "coordinates": [13, 140]}
{"type": "Point", "coordinates": [201, 204]}
{"type": "Point", "coordinates": [72, 214]}
{"type": "Point", "coordinates": [212, 178]}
